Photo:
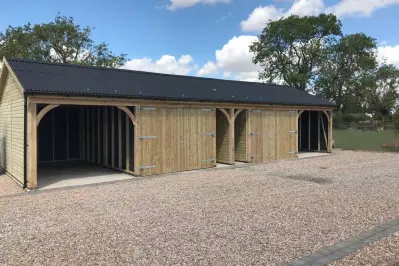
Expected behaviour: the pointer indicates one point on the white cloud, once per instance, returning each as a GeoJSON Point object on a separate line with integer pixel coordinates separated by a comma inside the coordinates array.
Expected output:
{"type": "Point", "coordinates": [262, 15]}
{"type": "Point", "coordinates": [208, 69]}
{"type": "Point", "coordinates": [176, 4]}
{"type": "Point", "coordinates": [166, 64]}
{"type": "Point", "coordinates": [390, 54]}
{"type": "Point", "coordinates": [359, 7]}
{"type": "Point", "coordinates": [234, 59]}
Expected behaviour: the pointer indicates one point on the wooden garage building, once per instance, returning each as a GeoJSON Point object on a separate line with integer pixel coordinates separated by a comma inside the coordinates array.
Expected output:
{"type": "Point", "coordinates": [146, 123]}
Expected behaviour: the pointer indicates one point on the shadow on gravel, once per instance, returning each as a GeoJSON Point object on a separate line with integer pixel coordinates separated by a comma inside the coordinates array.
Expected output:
{"type": "Point", "coordinates": [308, 178]}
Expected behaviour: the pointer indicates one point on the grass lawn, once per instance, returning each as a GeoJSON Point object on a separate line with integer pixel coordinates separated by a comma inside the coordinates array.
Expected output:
{"type": "Point", "coordinates": [364, 140]}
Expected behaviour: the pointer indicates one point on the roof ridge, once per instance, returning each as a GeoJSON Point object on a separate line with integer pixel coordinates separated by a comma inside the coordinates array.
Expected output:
{"type": "Point", "coordinates": [31, 61]}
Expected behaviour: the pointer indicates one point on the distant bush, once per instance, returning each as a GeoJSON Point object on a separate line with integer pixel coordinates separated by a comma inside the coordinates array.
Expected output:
{"type": "Point", "coordinates": [354, 118]}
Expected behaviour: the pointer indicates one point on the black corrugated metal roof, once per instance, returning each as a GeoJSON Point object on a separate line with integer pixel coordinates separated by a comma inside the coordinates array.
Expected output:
{"type": "Point", "coordinates": [64, 79]}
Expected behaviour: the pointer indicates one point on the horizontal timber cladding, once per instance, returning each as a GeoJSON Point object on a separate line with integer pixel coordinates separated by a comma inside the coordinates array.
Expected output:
{"type": "Point", "coordinates": [286, 134]}
{"type": "Point", "coordinates": [241, 136]}
{"type": "Point", "coordinates": [107, 137]}
{"type": "Point", "coordinates": [12, 128]}
{"type": "Point", "coordinates": [222, 138]}
{"type": "Point", "coordinates": [262, 135]}
{"type": "Point", "coordinates": [176, 139]}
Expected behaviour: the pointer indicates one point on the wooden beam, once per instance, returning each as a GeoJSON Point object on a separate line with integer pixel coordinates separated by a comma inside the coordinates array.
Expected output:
{"type": "Point", "coordinates": [136, 143]}
{"type": "Point", "coordinates": [237, 113]}
{"type": "Point", "coordinates": [32, 145]}
{"type": "Point", "coordinates": [127, 122]}
{"type": "Point", "coordinates": [48, 99]}
{"type": "Point", "coordinates": [225, 113]}
{"type": "Point", "coordinates": [300, 133]}
{"type": "Point", "coordinates": [300, 112]}
{"type": "Point", "coordinates": [214, 139]}
{"type": "Point", "coordinates": [248, 142]}
{"type": "Point", "coordinates": [324, 132]}
{"type": "Point", "coordinates": [330, 132]}
{"type": "Point", "coordinates": [326, 113]}
{"type": "Point", "coordinates": [318, 131]}
{"type": "Point", "coordinates": [120, 138]}
{"type": "Point", "coordinates": [82, 135]}
{"type": "Point", "coordinates": [44, 111]}
{"type": "Point", "coordinates": [129, 113]}
{"type": "Point", "coordinates": [231, 137]}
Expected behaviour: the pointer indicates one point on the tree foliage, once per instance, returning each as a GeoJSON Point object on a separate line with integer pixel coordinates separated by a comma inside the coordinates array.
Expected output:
{"type": "Point", "coordinates": [311, 53]}
{"type": "Point", "coordinates": [291, 49]}
{"type": "Point", "coordinates": [60, 41]}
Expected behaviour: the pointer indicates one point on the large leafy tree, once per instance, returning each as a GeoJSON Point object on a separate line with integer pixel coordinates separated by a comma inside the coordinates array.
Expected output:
{"type": "Point", "coordinates": [381, 90]}
{"type": "Point", "coordinates": [345, 64]}
{"type": "Point", "coordinates": [60, 41]}
{"type": "Point", "coordinates": [291, 49]}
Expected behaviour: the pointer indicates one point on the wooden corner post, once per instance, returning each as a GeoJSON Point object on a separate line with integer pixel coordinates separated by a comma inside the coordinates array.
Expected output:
{"type": "Point", "coordinates": [31, 145]}
{"type": "Point", "coordinates": [231, 136]}
{"type": "Point", "coordinates": [330, 132]}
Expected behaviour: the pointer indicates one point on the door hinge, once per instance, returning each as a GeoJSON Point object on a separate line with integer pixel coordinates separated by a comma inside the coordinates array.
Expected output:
{"type": "Point", "coordinates": [147, 167]}
{"type": "Point", "coordinates": [256, 111]}
{"type": "Point", "coordinates": [254, 156]}
{"type": "Point", "coordinates": [148, 108]}
{"type": "Point", "coordinates": [206, 109]}
{"type": "Point", "coordinates": [255, 133]}
{"type": "Point", "coordinates": [292, 131]}
{"type": "Point", "coordinates": [209, 134]}
{"type": "Point", "coordinates": [148, 137]}
{"type": "Point", "coordinates": [292, 152]}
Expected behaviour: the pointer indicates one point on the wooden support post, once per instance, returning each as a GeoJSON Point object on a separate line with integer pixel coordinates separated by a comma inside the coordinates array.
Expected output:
{"type": "Point", "coordinates": [98, 135]}
{"type": "Point", "coordinates": [330, 132]}
{"type": "Point", "coordinates": [231, 136]}
{"type": "Point", "coordinates": [127, 122]}
{"type": "Point", "coordinates": [318, 131]}
{"type": "Point", "coordinates": [324, 131]}
{"type": "Point", "coordinates": [105, 135]}
{"type": "Point", "coordinates": [113, 136]}
{"type": "Point", "coordinates": [136, 141]}
{"type": "Point", "coordinates": [32, 145]}
{"type": "Point", "coordinates": [248, 142]}
{"type": "Point", "coordinates": [214, 139]}
{"type": "Point", "coordinates": [119, 139]}
{"type": "Point", "coordinates": [300, 132]}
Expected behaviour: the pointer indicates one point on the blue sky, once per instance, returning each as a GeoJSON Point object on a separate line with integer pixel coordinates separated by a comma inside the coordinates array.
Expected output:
{"type": "Point", "coordinates": [202, 37]}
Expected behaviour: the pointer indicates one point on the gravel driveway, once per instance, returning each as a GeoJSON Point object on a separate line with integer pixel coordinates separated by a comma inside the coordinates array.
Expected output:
{"type": "Point", "coordinates": [262, 214]}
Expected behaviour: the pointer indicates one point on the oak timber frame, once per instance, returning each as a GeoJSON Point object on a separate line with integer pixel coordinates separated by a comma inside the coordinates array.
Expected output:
{"type": "Point", "coordinates": [231, 111]}
{"type": "Point", "coordinates": [327, 137]}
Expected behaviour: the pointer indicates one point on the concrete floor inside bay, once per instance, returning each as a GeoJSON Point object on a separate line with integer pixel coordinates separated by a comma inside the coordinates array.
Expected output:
{"type": "Point", "coordinates": [77, 173]}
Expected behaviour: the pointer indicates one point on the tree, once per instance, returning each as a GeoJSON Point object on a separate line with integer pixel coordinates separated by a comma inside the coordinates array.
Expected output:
{"type": "Point", "coordinates": [60, 41]}
{"type": "Point", "coordinates": [345, 64]}
{"type": "Point", "coordinates": [381, 90]}
{"type": "Point", "coordinates": [291, 49]}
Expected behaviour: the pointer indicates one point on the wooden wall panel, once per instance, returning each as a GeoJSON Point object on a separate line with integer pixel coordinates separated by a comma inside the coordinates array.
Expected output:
{"type": "Point", "coordinates": [12, 129]}
{"type": "Point", "coordinates": [287, 139]}
{"type": "Point", "coordinates": [262, 135]}
{"type": "Point", "coordinates": [176, 139]}
{"type": "Point", "coordinates": [241, 136]}
{"type": "Point", "coordinates": [222, 138]}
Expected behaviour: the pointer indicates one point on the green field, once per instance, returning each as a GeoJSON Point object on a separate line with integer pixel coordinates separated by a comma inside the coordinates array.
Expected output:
{"type": "Point", "coordinates": [364, 140]}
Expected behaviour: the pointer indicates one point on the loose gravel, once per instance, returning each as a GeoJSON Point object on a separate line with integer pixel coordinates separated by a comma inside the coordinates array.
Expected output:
{"type": "Point", "coordinates": [262, 214]}
{"type": "Point", "coordinates": [8, 186]}
{"type": "Point", "coordinates": [383, 253]}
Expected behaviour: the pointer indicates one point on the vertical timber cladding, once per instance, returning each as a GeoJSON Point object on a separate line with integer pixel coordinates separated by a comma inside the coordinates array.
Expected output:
{"type": "Point", "coordinates": [286, 134]}
{"type": "Point", "coordinates": [222, 138]}
{"type": "Point", "coordinates": [241, 136]}
{"type": "Point", "coordinates": [176, 139]}
{"type": "Point", "coordinates": [262, 135]}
